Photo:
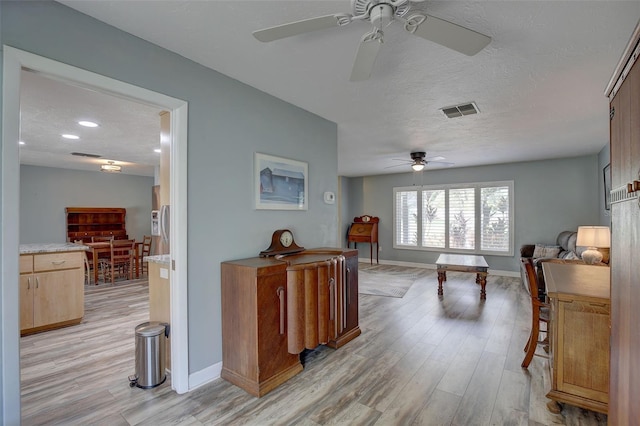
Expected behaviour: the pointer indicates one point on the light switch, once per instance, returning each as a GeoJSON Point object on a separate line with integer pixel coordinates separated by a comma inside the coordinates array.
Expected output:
{"type": "Point", "coordinates": [164, 273]}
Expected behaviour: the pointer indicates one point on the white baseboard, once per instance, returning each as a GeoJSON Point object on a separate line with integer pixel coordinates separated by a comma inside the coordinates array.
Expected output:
{"type": "Point", "coordinates": [433, 266]}
{"type": "Point", "coordinates": [204, 376]}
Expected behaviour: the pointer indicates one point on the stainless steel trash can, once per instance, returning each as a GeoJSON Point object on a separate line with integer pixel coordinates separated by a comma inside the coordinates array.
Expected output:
{"type": "Point", "coordinates": [151, 344]}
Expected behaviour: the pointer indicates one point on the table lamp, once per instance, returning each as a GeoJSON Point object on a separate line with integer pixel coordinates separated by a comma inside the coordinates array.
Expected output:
{"type": "Point", "coordinates": [593, 237]}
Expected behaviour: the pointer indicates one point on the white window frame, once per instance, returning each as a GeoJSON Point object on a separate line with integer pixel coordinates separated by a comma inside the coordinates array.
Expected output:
{"type": "Point", "coordinates": [477, 186]}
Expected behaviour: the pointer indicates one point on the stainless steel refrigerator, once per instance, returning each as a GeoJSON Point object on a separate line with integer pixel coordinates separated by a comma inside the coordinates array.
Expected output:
{"type": "Point", "coordinates": [159, 224]}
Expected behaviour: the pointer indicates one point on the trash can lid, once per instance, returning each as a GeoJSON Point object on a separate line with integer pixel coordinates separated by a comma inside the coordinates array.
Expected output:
{"type": "Point", "coordinates": [150, 329]}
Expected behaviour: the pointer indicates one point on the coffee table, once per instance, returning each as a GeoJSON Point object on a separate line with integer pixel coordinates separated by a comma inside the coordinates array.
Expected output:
{"type": "Point", "coordinates": [463, 263]}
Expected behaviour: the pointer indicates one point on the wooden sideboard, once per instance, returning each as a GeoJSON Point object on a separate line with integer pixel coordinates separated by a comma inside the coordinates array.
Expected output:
{"type": "Point", "coordinates": [273, 308]}
{"type": "Point", "coordinates": [579, 335]}
{"type": "Point", "coordinates": [83, 223]}
{"type": "Point", "coordinates": [364, 229]}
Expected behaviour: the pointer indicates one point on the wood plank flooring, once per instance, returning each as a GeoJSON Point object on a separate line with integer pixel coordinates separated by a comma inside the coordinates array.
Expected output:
{"type": "Point", "coordinates": [419, 361]}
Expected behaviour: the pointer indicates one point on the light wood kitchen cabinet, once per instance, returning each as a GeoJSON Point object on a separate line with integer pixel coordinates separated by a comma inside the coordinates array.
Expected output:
{"type": "Point", "coordinates": [579, 335]}
{"type": "Point", "coordinates": [51, 291]}
{"type": "Point", "coordinates": [160, 299]}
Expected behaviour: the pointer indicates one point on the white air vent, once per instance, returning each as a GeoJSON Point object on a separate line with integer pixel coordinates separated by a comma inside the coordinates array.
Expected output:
{"type": "Point", "coordinates": [460, 110]}
{"type": "Point", "coordinates": [622, 194]}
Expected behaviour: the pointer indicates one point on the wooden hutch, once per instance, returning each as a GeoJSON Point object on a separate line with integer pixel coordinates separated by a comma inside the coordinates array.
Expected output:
{"type": "Point", "coordinates": [83, 223]}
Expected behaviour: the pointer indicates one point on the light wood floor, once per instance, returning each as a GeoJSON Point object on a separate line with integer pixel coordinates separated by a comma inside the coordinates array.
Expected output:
{"type": "Point", "coordinates": [419, 361]}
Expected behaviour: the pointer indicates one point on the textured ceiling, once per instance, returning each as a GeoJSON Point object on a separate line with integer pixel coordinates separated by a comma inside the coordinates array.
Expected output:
{"type": "Point", "coordinates": [539, 84]}
{"type": "Point", "coordinates": [127, 134]}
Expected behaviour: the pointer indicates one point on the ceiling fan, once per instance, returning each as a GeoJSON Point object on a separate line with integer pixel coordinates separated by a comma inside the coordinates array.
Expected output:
{"type": "Point", "coordinates": [419, 161]}
{"type": "Point", "coordinates": [381, 13]}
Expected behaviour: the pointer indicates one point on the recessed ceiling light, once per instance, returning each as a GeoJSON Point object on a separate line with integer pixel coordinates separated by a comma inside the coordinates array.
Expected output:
{"type": "Point", "coordinates": [21, 143]}
{"type": "Point", "coordinates": [158, 150]}
{"type": "Point", "coordinates": [88, 123]}
{"type": "Point", "coordinates": [74, 137]}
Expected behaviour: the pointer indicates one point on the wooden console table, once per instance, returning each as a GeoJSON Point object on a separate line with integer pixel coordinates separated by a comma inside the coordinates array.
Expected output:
{"type": "Point", "coordinates": [463, 263]}
{"type": "Point", "coordinates": [579, 296]}
{"type": "Point", "coordinates": [364, 229]}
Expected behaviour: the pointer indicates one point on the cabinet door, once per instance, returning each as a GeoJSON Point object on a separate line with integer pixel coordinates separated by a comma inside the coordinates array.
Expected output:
{"type": "Point", "coordinates": [27, 287]}
{"type": "Point", "coordinates": [351, 273]}
{"type": "Point", "coordinates": [59, 296]}
{"type": "Point", "coordinates": [582, 351]}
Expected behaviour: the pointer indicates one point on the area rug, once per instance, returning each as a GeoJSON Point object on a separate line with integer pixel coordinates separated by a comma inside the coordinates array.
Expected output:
{"type": "Point", "coordinates": [382, 283]}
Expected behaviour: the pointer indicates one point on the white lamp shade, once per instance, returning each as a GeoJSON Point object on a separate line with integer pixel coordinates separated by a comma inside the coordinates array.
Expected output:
{"type": "Point", "coordinates": [594, 236]}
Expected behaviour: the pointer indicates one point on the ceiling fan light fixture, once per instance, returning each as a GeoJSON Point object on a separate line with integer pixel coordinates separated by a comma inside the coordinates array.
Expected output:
{"type": "Point", "coordinates": [110, 167]}
{"type": "Point", "coordinates": [417, 166]}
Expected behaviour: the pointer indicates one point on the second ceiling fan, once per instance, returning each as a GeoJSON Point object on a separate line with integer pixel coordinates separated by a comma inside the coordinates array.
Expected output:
{"type": "Point", "coordinates": [381, 13]}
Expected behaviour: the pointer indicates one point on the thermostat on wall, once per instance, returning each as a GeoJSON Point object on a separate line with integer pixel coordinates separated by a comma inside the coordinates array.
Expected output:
{"type": "Point", "coordinates": [329, 197]}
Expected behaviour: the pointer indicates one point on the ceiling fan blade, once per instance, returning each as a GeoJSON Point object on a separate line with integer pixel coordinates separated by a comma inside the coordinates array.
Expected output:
{"type": "Point", "coordinates": [432, 159]}
{"type": "Point", "coordinates": [442, 163]}
{"type": "Point", "coordinates": [366, 56]}
{"type": "Point", "coordinates": [301, 27]}
{"type": "Point", "coordinates": [447, 34]}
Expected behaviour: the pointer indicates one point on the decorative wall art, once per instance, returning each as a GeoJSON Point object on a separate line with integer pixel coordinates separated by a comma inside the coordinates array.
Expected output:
{"type": "Point", "coordinates": [280, 183]}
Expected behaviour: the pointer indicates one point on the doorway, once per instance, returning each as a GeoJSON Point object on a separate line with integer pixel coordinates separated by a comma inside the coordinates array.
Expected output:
{"type": "Point", "coordinates": [14, 62]}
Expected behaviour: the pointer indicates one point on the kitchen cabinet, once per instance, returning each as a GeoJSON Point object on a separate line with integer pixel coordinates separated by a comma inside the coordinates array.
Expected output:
{"type": "Point", "coordinates": [579, 335]}
{"type": "Point", "coordinates": [51, 291]}
{"type": "Point", "coordinates": [160, 295]}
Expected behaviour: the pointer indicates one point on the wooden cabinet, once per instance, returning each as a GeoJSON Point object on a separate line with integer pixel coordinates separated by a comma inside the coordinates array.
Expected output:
{"type": "Point", "coordinates": [51, 291]}
{"type": "Point", "coordinates": [83, 223]}
{"type": "Point", "coordinates": [349, 329]}
{"type": "Point", "coordinates": [254, 337]}
{"type": "Point", "coordinates": [160, 299]}
{"type": "Point", "coordinates": [624, 95]}
{"type": "Point", "coordinates": [364, 229]}
{"type": "Point", "coordinates": [579, 334]}
{"type": "Point", "coordinates": [273, 309]}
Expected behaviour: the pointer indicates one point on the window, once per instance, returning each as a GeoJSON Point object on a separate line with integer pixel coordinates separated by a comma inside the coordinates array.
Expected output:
{"type": "Point", "coordinates": [474, 218]}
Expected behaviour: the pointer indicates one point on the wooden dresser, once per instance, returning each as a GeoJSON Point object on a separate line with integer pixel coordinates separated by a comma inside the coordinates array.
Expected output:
{"type": "Point", "coordinates": [579, 349]}
{"type": "Point", "coordinates": [274, 308]}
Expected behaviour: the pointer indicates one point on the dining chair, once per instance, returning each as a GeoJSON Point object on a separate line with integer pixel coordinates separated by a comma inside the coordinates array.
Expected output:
{"type": "Point", "coordinates": [146, 251]}
{"type": "Point", "coordinates": [121, 261]}
{"type": "Point", "coordinates": [87, 267]}
{"type": "Point", "coordinates": [539, 313]}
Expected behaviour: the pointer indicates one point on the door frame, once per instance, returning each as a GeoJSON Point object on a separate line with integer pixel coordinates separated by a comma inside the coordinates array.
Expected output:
{"type": "Point", "coordinates": [13, 62]}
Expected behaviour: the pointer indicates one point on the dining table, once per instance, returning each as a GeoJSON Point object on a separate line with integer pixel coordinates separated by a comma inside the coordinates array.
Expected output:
{"type": "Point", "coordinates": [102, 247]}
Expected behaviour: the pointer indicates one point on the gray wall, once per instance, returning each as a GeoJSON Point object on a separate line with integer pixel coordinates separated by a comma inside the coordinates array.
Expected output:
{"type": "Point", "coordinates": [550, 196]}
{"type": "Point", "coordinates": [228, 122]}
{"type": "Point", "coordinates": [45, 192]}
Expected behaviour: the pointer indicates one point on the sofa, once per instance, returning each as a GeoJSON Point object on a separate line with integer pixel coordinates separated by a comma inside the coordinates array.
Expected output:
{"type": "Point", "coordinates": [563, 251]}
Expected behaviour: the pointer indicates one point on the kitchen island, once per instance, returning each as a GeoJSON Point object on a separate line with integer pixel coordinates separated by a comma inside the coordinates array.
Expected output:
{"type": "Point", "coordinates": [51, 286]}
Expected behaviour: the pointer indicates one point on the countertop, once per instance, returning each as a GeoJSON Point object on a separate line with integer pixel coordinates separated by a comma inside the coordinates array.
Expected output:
{"type": "Point", "coordinates": [51, 248]}
{"type": "Point", "coordinates": [162, 259]}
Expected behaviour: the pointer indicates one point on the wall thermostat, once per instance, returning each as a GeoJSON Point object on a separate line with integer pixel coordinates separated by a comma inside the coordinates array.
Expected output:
{"type": "Point", "coordinates": [329, 197]}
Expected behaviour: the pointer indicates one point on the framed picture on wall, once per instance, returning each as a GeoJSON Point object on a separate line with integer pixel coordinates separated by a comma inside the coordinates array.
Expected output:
{"type": "Point", "coordinates": [280, 183]}
{"type": "Point", "coordinates": [607, 186]}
